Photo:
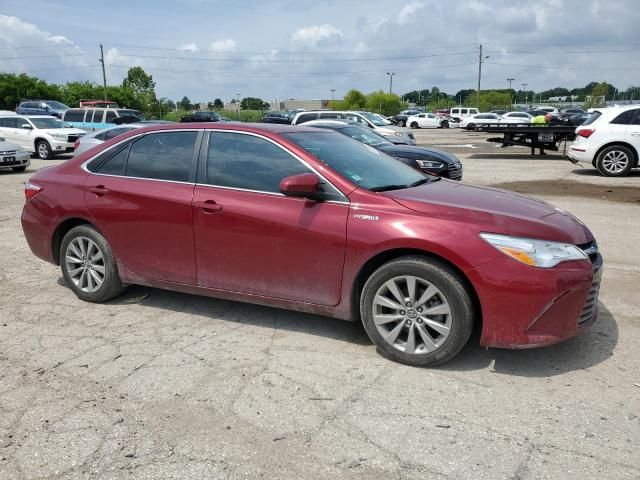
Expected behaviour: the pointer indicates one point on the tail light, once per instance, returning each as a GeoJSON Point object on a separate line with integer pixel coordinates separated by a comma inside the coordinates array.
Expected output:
{"type": "Point", "coordinates": [76, 145]}
{"type": "Point", "coordinates": [586, 132]}
{"type": "Point", "coordinates": [31, 190]}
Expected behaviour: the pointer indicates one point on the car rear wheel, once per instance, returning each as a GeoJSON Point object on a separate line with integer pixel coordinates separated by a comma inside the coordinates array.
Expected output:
{"type": "Point", "coordinates": [402, 123]}
{"type": "Point", "coordinates": [417, 311]}
{"type": "Point", "coordinates": [444, 124]}
{"type": "Point", "coordinates": [414, 125]}
{"type": "Point", "coordinates": [615, 161]}
{"type": "Point", "coordinates": [43, 149]}
{"type": "Point", "coordinates": [19, 169]}
{"type": "Point", "coordinates": [471, 126]}
{"type": "Point", "coordinates": [88, 265]}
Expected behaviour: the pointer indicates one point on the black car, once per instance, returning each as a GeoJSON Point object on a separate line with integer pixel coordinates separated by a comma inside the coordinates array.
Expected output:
{"type": "Point", "coordinates": [401, 118]}
{"type": "Point", "coordinates": [277, 117]}
{"type": "Point", "coordinates": [430, 160]}
{"type": "Point", "coordinates": [201, 117]}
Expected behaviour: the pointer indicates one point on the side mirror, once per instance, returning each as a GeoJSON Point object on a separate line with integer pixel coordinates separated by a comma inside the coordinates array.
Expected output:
{"type": "Point", "coordinates": [26, 126]}
{"type": "Point", "coordinates": [306, 185]}
{"type": "Point", "coordinates": [46, 108]}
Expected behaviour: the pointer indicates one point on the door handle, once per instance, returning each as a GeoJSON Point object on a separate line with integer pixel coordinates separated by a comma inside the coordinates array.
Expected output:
{"type": "Point", "coordinates": [208, 206]}
{"type": "Point", "coordinates": [100, 190]}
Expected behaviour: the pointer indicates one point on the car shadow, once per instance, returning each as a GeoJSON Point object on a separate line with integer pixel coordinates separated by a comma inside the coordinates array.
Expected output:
{"type": "Point", "coordinates": [579, 353]}
{"type": "Point", "coordinates": [589, 171]}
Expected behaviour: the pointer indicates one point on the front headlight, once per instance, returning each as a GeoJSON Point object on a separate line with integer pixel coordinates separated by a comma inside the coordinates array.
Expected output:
{"type": "Point", "coordinates": [398, 134]}
{"type": "Point", "coordinates": [429, 164]}
{"type": "Point", "coordinates": [537, 253]}
{"type": "Point", "coordinates": [59, 135]}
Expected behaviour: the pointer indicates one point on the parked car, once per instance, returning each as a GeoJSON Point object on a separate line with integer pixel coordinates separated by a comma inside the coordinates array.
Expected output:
{"type": "Point", "coordinates": [458, 113]}
{"type": "Point", "coordinates": [430, 160]}
{"type": "Point", "coordinates": [92, 119]}
{"type": "Point", "coordinates": [569, 112]}
{"type": "Point", "coordinates": [516, 117]}
{"type": "Point", "coordinates": [427, 120]}
{"type": "Point", "coordinates": [552, 110]}
{"type": "Point", "coordinates": [401, 118]}
{"type": "Point", "coordinates": [201, 117]}
{"type": "Point", "coordinates": [277, 117]}
{"type": "Point", "coordinates": [42, 134]}
{"type": "Point", "coordinates": [391, 132]}
{"type": "Point", "coordinates": [609, 140]}
{"type": "Point", "coordinates": [577, 119]}
{"type": "Point", "coordinates": [480, 119]}
{"type": "Point", "coordinates": [328, 225]}
{"type": "Point", "coordinates": [13, 156]}
{"type": "Point", "coordinates": [90, 140]}
{"type": "Point", "coordinates": [41, 107]}
{"type": "Point", "coordinates": [499, 112]}
{"type": "Point", "coordinates": [89, 103]}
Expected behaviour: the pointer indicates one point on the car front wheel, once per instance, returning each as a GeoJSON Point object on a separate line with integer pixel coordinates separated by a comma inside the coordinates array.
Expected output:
{"type": "Point", "coordinates": [417, 311]}
{"type": "Point", "coordinates": [444, 124]}
{"type": "Point", "coordinates": [88, 265]}
{"type": "Point", "coordinates": [414, 125]}
{"type": "Point", "coordinates": [402, 123]}
{"type": "Point", "coordinates": [615, 161]}
{"type": "Point", "coordinates": [43, 149]}
{"type": "Point", "coordinates": [471, 126]}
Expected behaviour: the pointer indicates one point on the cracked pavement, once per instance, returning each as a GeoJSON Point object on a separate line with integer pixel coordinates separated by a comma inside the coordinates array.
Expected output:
{"type": "Point", "coordinates": [158, 384]}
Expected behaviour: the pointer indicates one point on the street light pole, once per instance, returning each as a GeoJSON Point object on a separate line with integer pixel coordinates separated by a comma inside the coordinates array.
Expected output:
{"type": "Point", "coordinates": [391, 74]}
{"type": "Point", "coordinates": [332, 90]}
{"type": "Point", "coordinates": [510, 95]}
{"type": "Point", "coordinates": [524, 88]}
{"type": "Point", "coordinates": [238, 102]}
{"type": "Point", "coordinates": [480, 60]}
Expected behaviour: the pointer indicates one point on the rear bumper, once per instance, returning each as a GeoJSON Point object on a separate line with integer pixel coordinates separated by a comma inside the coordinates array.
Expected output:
{"type": "Point", "coordinates": [544, 307]}
{"type": "Point", "coordinates": [37, 231]}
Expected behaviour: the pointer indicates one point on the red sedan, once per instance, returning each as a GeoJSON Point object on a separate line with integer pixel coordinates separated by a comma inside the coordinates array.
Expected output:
{"type": "Point", "coordinates": [311, 220]}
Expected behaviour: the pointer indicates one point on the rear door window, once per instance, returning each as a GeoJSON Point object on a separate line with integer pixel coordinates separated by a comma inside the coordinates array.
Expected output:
{"type": "Point", "coordinates": [162, 156]}
{"type": "Point", "coordinates": [74, 116]}
{"type": "Point", "coordinates": [306, 117]}
{"type": "Point", "coordinates": [110, 117]}
{"type": "Point", "coordinates": [625, 118]}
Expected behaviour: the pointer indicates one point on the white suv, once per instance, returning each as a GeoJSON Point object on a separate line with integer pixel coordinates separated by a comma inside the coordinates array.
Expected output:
{"type": "Point", "coordinates": [458, 113]}
{"type": "Point", "coordinates": [609, 140]}
{"type": "Point", "coordinates": [42, 134]}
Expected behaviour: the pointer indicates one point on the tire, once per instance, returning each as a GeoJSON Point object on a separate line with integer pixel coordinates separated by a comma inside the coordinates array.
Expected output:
{"type": "Point", "coordinates": [77, 243]}
{"type": "Point", "coordinates": [414, 125]}
{"type": "Point", "coordinates": [447, 294]}
{"type": "Point", "coordinates": [471, 126]}
{"type": "Point", "coordinates": [615, 161]}
{"type": "Point", "coordinates": [402, 123]}
{"type": "Point", "coordinates": [43, 150]}
{"type": "Point", "coordinates": [19, 169]}
{"type": "Point", "coordinates": [444, 124]}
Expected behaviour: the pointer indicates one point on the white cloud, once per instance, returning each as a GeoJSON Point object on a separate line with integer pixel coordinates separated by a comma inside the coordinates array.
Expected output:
{"type": "Point", "coordinates": [408, 11]}
{"type": "Point", "coordinates": [189, 47]}
{"type": "Point", "coordinates": [317, 34]}
{"type": "Point", "coordinates": [224, 45]}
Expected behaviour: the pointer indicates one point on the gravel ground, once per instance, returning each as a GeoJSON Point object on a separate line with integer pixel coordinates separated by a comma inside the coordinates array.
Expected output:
{"type": "Point", "coordinates": [157, 384]}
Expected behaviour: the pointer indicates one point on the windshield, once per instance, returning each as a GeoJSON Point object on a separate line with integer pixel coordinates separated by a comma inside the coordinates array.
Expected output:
{"type": "Point", "coordinates": [365, 136]}
{"type": "Point", "coordinates": [377, 121]}
{"type": "Point", "coordinates": [48, 123]}
{"type": "Point", "coordinates": [131, 113]}
{"type": "Point", "coordinates": [360, 163]}
{"type": "Point", "coordinates": [57, 105]}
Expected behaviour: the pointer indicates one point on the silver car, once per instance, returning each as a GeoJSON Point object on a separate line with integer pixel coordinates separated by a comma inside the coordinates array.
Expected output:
{"type": "Point", "coordinates": [100, 136]}
{"type": "Point", "coordinates": [13, 157]}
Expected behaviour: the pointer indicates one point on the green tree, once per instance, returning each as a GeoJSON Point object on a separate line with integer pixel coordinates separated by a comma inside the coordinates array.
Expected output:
{"type": "Point", "coordinates": [185, 104]}
{"type": "Point", "coordinates": [217, 104]}
{"type": "Point", "coordinates": [354, 100]}
{"type": "Point", "coordinates": [383, 103]}
{"type": "Point", "coordinates": [252, 103]}
{"type": "Point", "coordinates": [14, 88]}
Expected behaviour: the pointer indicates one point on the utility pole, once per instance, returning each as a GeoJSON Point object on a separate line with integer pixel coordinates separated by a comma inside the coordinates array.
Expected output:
{"type": "Point", "coordinates": [524, 88]}
{"type": "Point", "coordinates": [391, 74]}
{"type": "Point", "coordinates": [332, 91]}
{"type": "Point", "coordinates": [238, 103]}
{"type": "Point", "coordinates": [480, 60]}
{"type": "Point", "coordinates": [104, 73]}
{"type": "Point", "coordinates": [510, 95]}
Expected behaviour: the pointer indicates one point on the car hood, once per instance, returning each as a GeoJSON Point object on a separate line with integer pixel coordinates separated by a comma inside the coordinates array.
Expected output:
{"type": "Point", "coordinates": [417, 153]}
{"type": "Point", "coordinates": [392, 128]}
{"type": "Point", "coordinates": [493, 211]}
{"type": "Point", "coordinates": [65, 131]}
{"type": "Point", "coordinates": [8, 147]}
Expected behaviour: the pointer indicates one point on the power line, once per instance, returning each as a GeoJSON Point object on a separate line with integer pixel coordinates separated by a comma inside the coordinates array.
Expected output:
{"type": "Point", "coordinates": [42, 56]}
{"type": "Point", "coordinates": [558, 67]}
{"type": "Point", "coordinates": [410, 57]}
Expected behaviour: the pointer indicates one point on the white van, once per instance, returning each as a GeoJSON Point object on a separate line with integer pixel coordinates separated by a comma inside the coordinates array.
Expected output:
{"type": "Point", "coordinates": [458, 113]}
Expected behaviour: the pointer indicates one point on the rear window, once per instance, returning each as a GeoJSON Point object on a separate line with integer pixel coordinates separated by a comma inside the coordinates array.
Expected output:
{"type": "Point", "coordinates": [592, 117]}
{"type": "Point", "coordinates": [74, 116]}
{"type": "Point", "coordinates": [306, 117]}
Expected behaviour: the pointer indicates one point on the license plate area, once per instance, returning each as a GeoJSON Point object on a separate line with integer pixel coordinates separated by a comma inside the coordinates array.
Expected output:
{"type": "Point", "coordinates": [545, 137]}
{"type": "Point", "coordinates": [8, 159]}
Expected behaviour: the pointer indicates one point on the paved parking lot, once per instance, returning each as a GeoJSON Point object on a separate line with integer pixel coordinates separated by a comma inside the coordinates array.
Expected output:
{"type": "Point", "coordinates": [158, 384]}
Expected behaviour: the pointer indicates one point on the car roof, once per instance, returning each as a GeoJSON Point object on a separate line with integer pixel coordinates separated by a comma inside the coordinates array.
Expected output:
{"type": "Point", "coordinates": [331, 123]}
{"type": "Point", "coordinates": [274, 128]}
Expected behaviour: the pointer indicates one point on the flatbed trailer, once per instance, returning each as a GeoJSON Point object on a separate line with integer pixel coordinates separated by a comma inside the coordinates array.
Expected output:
{"type": "Point", "coordinates": [544, 137]}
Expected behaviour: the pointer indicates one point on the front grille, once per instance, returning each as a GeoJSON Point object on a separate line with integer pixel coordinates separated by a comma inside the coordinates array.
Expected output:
{"type": "Point", "coordinates": [590, 305]}
{"type": "Point", "coordinates": [74, 137]}
{"type": "Point", "coordinates": [10, 152]}
{"type": "Point", "coordinates": [455, 171]}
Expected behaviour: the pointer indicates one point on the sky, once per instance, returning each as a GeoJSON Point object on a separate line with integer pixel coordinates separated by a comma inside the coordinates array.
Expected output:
{"type": "Point", "coordinates": [303, 49]}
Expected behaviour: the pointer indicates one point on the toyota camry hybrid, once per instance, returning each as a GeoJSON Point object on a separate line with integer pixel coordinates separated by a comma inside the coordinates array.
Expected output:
{"type": "Point", "coordinates": [311, 220]}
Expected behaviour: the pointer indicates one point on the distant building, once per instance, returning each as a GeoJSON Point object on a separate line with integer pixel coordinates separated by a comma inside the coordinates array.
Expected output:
{"type": "Point", "coordinates": [557, 99]}
{"type": "Point", "coordinates": [235, 106]}
{"type": "Point", "coordinates": [305, 104]}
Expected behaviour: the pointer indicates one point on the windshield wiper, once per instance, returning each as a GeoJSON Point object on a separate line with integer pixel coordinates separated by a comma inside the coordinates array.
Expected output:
{"type": "Point", "coordinates": [384, 188]}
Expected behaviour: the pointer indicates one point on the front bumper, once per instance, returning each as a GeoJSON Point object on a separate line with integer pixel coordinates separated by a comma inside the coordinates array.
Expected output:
{"type": "Point", "coordinates": [526, 307]}
{"type": "Point", "coordinates": [60, 145]}
{"type": "Point", "coordinates": [14, 159]}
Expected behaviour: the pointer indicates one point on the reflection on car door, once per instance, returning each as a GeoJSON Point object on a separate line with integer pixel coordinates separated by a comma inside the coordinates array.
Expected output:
{"type": "Point", "coordinates": [24, 136]}
{"type": "Point", "coordinates": [140, 198]}
{"type": "Point", "coordinates": [633, 131]}
{"type": "Point", "coordinates": [252, 239]}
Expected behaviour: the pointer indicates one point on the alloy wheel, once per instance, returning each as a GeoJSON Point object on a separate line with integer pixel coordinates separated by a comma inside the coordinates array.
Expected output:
{"type": "Point", "coordinates": [85, 264]}
{"type": "Point", "coordinates": [43, 150]}
{"type": "Point", "coordinates": [615, 161]}
{"type": "Point", "coordinates": [412, 315]}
